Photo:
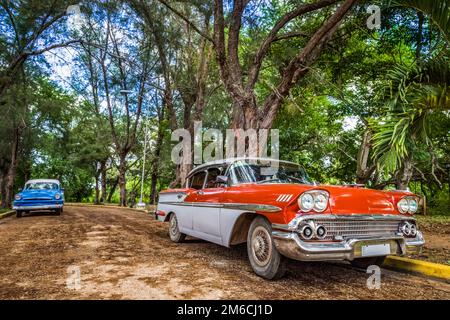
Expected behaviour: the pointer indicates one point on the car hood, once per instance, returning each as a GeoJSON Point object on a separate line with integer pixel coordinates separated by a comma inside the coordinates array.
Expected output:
{"type": "Point", "coordinates": [343, 199]}
{"type": "Point", "coordinates": [355, 200]}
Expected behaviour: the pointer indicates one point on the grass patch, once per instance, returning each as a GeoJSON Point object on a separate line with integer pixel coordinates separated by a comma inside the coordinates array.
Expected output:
{"type": "Point", "coordinates": [439, 219]}
{"type": "Point", "coordinates": [434, 224]}
{"type": "Point", "coordinates": [4, 210]}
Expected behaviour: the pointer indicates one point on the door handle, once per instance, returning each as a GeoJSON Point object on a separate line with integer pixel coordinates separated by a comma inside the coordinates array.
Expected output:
{"type": "Point", "coordinates": [200, 192]}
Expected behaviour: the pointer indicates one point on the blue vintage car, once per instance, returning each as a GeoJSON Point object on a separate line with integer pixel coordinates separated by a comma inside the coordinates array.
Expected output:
{"type": "Point", "coordinates": [39, 194]}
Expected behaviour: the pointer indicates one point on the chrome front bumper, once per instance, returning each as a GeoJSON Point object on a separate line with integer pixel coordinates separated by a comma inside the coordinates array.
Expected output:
{"type": "Point", "coordinates": [39, 207]}
{"type": "Point", "coordinates": [289, 243]}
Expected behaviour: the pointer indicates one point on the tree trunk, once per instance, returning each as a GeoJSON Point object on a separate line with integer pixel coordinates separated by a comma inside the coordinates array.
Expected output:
{"type": "Point", "coordinates": [404, 174]}
{"type": "Point", "coordinates": [3, 190]}
{"type": "Point", "coordinates": [103, 181]}
{"type": "Point", "coordinates": [419, 34]}
{"type": "Point", "coordinates": [245, 113]}
{"type": "Point", "coordinates": [97, 191]}
{"type": "Point", "coordinates": [122, 180]}
{"type": "Point", "coordinates": [155, 164]}
{"type": "Point", "coordinates": [113, 189]}
{"type": "Point", "coordinates": [363, 170]}
{"type": "Point", "coordinates": [11, 173]}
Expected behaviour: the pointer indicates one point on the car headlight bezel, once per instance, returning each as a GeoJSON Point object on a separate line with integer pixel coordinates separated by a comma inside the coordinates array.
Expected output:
{"type": "Point", "coordinates": [408, 204]}
{"type": "Point", "coordinates": [57, 196]}
{"type": "Point", "coordinates": [319, 201]}
{"type": "Point", "coordinates": [17, 197]}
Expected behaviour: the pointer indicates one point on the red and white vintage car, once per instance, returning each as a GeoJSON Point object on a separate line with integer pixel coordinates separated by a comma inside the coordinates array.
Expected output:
{"type": "Point", "coordinates": [282, 213]}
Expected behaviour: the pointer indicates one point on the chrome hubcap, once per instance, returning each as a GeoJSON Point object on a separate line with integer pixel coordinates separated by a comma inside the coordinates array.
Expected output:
{"type": "Point", "coordinates": [173, 228]}
{"type": "Point", "coordinates": [261, 246]}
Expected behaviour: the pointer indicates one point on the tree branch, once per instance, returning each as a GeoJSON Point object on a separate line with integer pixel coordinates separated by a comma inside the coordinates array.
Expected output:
{"type": "Point", "coordinates": [257, 60]}
{"type": "Point", "coordinates": [299, 65]}
{"type": "Point", "coordinates": [233, 42]}
{"type": "Point", "coordinates": [189, 22]}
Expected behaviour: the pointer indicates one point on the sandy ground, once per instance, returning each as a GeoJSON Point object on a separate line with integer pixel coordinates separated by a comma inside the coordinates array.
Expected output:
{"type": "Point", "coordinates": [126, 254]}
{"type": "Point", "coordinates": [437, 240]}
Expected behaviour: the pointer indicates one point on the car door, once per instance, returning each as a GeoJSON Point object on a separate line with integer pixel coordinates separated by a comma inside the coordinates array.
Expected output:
{"type": "Point", "coordinates": [185, 214]}
{"type": "Point", "coordinates": [207, 204]}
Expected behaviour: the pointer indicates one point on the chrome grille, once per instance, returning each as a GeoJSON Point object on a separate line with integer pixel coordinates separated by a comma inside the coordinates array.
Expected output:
{"type": "Point", "coordinates": [358, 228]}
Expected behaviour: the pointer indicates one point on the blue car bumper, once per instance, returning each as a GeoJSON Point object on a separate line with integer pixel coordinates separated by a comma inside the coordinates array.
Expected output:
{"type": "Point", "coordinates": [37, 205]}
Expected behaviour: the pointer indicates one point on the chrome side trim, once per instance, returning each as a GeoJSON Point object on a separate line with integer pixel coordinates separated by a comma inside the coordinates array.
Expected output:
{"type": "Point", "coordinates": [236, 206]}
{"type": "Point", "coordinates": [252, 207]}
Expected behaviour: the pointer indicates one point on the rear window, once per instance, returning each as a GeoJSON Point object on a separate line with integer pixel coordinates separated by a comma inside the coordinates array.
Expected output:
{"type": "Point", "coordinates": [41, 186]}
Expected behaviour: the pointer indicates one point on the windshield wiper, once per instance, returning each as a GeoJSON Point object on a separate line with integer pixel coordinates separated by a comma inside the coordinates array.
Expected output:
{"type": "Point", "coordinates": [268, 180]}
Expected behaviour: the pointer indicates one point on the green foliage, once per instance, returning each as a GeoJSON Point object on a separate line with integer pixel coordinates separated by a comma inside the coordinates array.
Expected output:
{"type": "Point", "coordinates": [438, 11]}
{"type": "Point", "coordinates": [416, 92]}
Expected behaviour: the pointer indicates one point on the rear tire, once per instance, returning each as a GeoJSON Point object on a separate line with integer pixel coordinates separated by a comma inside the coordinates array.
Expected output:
{"type": "Point", "coordinates": [364, 263]}
{"type": "Point", "coordinates": [174, 232]}
{"type": "Point", "coordinates": [264, 257]}
{"type": "Point", "coordinates": [18, 214]}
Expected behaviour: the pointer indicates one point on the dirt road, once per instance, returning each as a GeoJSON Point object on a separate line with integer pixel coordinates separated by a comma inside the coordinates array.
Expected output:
{"type": "Point", "coordinates": [125, 254]}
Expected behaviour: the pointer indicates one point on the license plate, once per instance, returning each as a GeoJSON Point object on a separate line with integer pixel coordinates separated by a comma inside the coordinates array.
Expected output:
{"type": "Point", "coordinates": [373, 250]}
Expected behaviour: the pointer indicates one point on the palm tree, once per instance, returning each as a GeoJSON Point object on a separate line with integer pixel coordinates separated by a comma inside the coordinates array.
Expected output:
{"type": "Point", "coordinates": [415, 91]}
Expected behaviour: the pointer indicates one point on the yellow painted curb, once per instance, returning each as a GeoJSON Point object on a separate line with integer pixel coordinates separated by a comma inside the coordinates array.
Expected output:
{"type": "Point", "coordinates": [7, 214]}
{"type": "Point", "coordinates": [430, 269]}
{"type": "Point", "coordinates": [89, 205]}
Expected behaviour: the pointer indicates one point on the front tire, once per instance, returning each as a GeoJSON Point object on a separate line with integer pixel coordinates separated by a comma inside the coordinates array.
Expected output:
{"type": "Point", "coordinates": [174, 232]}
{"type": "Point", "coordinates": [264, 257]}
{"type": "Point", "coordinates": [58, 211]}
{"type": "Point", "coordinates": [364, 263]}
{"type": "Point", "coordinates": [19, 214]}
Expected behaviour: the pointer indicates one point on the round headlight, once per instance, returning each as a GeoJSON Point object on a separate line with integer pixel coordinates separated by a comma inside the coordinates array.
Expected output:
{"type": "Point", "coordinates": [320, 202]}
{"type": "Point", "coordinates": [403, 206]}
{"type": "Point", "coordinates": [306, 202]}
{"type": "Point", "coordinates": [321, 232]}
{"type": "Point", "coordinates": [306, 232]}
{"type": "Point", "coordinates": [413, 205]}
{"type": "Point", "coordinates": [17, 197]}
{"type": "Point", "coordinates": [57, 196]}
{"type": "Point", "coordinates": [406, 228]}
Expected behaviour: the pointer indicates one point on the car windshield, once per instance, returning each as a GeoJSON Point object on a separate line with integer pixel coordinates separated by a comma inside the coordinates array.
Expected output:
{"type": "Point", "coordinates": [275, 172]}
{"type": "Point", "coordinates": [41, 186]}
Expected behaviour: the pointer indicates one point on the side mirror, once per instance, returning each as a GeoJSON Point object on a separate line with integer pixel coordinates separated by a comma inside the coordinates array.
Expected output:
{"type": "Point", "coordinates": [222, 180]}
{"type": "Point", "coordinates": [62, 190]}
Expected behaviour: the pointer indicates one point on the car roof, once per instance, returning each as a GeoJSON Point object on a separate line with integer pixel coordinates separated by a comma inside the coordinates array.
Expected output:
{"type": "Point", "coordinates": [228, 161]}
{"type": "Point", "coordinates": [43, 180]}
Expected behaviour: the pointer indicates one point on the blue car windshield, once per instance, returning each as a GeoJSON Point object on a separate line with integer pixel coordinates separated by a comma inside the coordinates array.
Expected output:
{"type": "Point", "coordinates": [41, 186]}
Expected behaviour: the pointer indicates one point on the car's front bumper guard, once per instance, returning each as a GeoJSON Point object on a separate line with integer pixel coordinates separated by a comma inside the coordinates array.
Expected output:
{"type": "Point", "coordinates": [39, 207]}
{"type": "Point", "coordinates": [290, 245]}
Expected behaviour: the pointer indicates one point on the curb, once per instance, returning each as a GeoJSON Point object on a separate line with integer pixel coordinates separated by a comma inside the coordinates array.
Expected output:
{"type": "Point", "coordinates": [86, 205]}
{"type": "Point", "coordinates": [7, 214]}
{"type": "Point", "coordinates": [430, 269]}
